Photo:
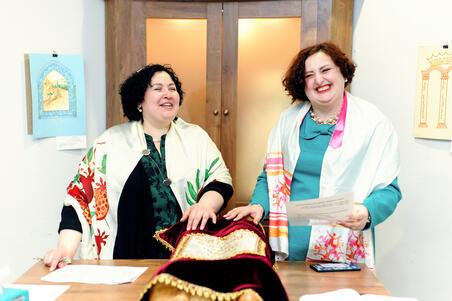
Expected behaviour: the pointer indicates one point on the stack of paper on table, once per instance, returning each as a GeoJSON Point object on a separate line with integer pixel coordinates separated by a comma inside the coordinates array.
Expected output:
{"type": "Point", "coordinates": [348, 294]}
{"type": "Point", "coordinates": [95, 274]}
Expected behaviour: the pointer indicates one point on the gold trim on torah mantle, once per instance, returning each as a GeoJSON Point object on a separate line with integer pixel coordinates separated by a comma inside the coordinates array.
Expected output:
{"type": "Point", "coordinates": [169, 288]}
{"type": "Point", "coordinates": [162, 241]}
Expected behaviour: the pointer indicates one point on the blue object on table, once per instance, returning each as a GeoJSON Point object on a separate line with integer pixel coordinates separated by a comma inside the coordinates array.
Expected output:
{"type": "Point", "coordinates": [14, 294]}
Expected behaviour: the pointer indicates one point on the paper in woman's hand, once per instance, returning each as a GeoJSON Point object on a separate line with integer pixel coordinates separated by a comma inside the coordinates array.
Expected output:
{"type": "Point", "coordinates": [326, 210]}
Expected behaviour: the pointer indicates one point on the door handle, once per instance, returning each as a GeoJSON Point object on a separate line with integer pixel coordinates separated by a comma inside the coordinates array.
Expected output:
{"type": "Point", "coordinates": [215, 112]}
{"type": "Point", "coordinates": [226, 112]}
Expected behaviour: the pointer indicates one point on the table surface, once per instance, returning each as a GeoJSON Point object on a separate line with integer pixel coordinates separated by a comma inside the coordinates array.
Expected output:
{"type": "Point", "coordinates": [297, 277]}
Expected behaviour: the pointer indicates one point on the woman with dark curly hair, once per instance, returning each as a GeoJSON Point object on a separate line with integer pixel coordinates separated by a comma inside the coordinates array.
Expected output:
{"type": "Point", "coordinates": [327, 142]}
{"type": "Point", "coordinates": [141, 177]}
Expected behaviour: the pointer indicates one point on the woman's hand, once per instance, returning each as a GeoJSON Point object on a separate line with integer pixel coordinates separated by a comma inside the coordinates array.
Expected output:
{"type": "Point", "coordinates": [198, 213]}
{"type": "Point", "coordinates": [67, 246]}
{"type": "Point", "coordinates": [207, 207]}
{"type": "Point", "coordinates": [57, 259]}
{"type": "Point", "coordinates": [357, 220]}
{"type": "Point", "coordinates": [254, 211]}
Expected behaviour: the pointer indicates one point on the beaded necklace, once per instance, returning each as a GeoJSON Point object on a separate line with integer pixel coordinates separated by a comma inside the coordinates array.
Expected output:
{"type": "Point", "coordinates": [330, 121]}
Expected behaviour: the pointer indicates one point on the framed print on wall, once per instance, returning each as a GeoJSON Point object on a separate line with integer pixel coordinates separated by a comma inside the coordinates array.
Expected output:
{"type": "Point", "coordinates": [55, 95]}
{"type": "Point", "coordinates": [433, 114]}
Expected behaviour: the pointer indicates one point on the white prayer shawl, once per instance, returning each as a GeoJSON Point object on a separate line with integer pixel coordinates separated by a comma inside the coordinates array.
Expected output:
{"type": "Point", "coordinates": [366, 160]}
{"type": "Point", "coordinates": [192, 162]}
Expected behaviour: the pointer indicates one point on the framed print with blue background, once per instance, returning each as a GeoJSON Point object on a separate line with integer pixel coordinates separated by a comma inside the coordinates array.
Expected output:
{"type": "Point", "coordinates": [55, 95]}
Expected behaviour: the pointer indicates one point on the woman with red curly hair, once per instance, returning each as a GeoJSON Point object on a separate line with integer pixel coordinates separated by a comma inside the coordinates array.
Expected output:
{"type": "Point", "coordinates": [327, 142]}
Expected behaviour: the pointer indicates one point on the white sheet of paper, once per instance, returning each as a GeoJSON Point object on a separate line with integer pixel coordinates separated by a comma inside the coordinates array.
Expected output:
{"type": "Point", "coordinates": [41, 292]}
{"type": "Point", "coordinates": [95, 274]}
{"type": "Point", "coordinates": [348, 294]}
{"type": "Point", "coordinates": [345, 294]}
{"type": "Point", "coordinates": [369, 297]}
{"type": "Point", "coordinates": [324, 210]}
{"type": "Point", "coordinates": [70, 142]}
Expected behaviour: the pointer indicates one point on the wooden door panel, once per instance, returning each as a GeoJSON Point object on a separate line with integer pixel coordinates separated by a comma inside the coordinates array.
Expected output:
{"type": "Point", "coordinates": [233, 12]}
{"type": "Point", "coordinates": [175, 10]}
{"type": "Point", "coordinates": [229, 85]}
{"type": "Point", "coordinates": [214, 74]}
{"type": "Point", "coordinates": [211, 94]}
{"type": "Point", "coordinates": [269, 9]}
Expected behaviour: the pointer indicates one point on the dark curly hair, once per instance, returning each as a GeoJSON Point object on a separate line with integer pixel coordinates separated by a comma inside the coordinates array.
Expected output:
{"type": "Point", "coordinates": [294, 81]}
{"type": "Point", "coordinates": [132, 90]}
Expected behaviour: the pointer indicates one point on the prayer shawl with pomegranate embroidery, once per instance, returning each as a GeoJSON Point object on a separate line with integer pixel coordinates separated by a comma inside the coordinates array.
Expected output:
{"type": "Point", "coordinates": [362, 157]}
{"type": "Point", "coordinates": [192, 162]}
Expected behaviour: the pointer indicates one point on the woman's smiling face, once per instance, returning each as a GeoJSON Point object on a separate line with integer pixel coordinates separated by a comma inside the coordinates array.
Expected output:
{"type": "Point", "coordinates": [161, 100]}
{"type": "Point", "coordinates": [324, 82]}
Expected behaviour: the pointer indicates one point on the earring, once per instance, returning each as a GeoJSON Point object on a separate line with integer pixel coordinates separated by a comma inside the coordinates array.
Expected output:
{"type": "Point", "coordinates": [140, 109]}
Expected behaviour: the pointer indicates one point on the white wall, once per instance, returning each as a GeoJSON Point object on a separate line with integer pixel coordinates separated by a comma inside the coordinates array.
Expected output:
{"type": "Point", "coordinates": [414, 247]}
{"type": "Point", "coordinates": [34, 174]}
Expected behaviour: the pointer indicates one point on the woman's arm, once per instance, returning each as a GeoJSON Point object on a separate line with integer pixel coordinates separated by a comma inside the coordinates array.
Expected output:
{"type": "Point", "coordinates": [69, 220]}
{"type": "Point", "coordinates": [377, 207]}
{"type": "Point", "coordinates": [70, 230]}
{"type": "Point", "coordinates": [382, 203]}
{"type": "Point", "coordinates": [224, 189]}
{"type": "Point", "coordinates": [259, 205]}
{"type": "Point", "coordinates": [68, 243]}
{"type": "Point", "coordinates": [260, 193]}
{"type": "Point", "coordinates": [213, 195]}
{"type": "Point", "coordinates": [207, 207]}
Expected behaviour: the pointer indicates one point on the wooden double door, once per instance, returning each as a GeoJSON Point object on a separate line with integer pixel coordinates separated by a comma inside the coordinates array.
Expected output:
{"type": "Point", "coordinates": [230, 57]}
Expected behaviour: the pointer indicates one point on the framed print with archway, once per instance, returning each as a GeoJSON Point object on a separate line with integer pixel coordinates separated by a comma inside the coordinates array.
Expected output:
{"type": "Point", "coordinates": [433, 113]}
{"type": "Point", "coordinates": [55, 95]}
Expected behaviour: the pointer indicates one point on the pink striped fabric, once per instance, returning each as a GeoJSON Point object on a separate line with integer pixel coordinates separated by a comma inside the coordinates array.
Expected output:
{"type": "Point", "coordinates": [338, 134]}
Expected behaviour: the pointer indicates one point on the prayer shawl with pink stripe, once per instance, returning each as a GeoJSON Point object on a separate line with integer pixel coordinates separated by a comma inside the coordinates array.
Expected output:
{"type": "Point", "coordinates": [361, 157]}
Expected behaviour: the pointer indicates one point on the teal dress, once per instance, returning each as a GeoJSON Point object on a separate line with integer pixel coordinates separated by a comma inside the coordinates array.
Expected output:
{"type": "Point", "coordinates": [314, 139]}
